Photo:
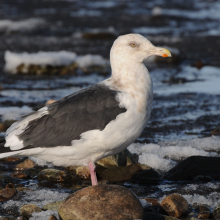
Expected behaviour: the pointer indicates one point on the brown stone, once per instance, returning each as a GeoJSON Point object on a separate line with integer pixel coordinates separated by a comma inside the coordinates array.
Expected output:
{"type": "Point", "coordinates": [204, 215]}
{"type": "Point", "coordinates": [27, 210]}
{"type": "Point", "coordinates": [52, 217]}
{"type": "Point", "coordinates": [52, 205]}
{"type": "Point", "coordinates": [19, 175]}
{"type": "Point", "coordinates": [119, 174]}
{"type": "Point", "coordinates": [153, 201]}
{"type": "Point", "coordinates": [11, 159]}
{"type": "Point", "coordinates": [7, 193]}
{"type": "Point", "coordinates": [175, 205]}
{"type": "Point", "coordinates": [101, 202]}
{"type": "Point", "coordinates": [83, 172]}
{"type": "Point", "coordinates": [25, 165]}
{"type": "Point", "coordinates": [54, 175]}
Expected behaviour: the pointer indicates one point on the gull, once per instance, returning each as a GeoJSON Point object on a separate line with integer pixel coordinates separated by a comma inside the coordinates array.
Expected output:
{"type": "Point", "coordinates": [95, 122]}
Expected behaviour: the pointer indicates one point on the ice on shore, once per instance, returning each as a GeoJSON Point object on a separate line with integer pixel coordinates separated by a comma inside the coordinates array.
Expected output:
{"type": "Point", "coordinates": [164, 156]}
{"type": "Point", "coordinates": [37, 197]}
{"type": "Point", "coordinates": [59, 58]}
{"type": "Point", "coordinates": [23, 25]}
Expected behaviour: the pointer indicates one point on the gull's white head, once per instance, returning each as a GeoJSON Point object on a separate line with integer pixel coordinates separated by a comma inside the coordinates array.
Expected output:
{"type": "Point", "coordinates": [134, 48]}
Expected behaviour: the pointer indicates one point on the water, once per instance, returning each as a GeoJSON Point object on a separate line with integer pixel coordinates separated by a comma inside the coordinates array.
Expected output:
{"type": "Point", "coordinates": [186, 90]}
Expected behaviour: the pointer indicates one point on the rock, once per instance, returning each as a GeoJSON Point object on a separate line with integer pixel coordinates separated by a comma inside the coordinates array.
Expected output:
{"type": "Point", "coordinates": [52, 217]}
{"type": "Point", "coordinates": [204, 215]}
{"type": "Point", "coordinates": [52, 205]}
{"type": "Point", "coordinates": [25, 165]}
{"type": "Point", "coordinates": [7, 218]}
{"type": "Point", "coordinates": [153, 201]}
{"type": "Point", "coordinates": [54, 175]}
{"type": "Point", "coordinates": [154, 216]}
{"type": "Point", "coordinates": [175, 205]}
{"type": "Point", "coordinates": [193, 166]}
{"type": "Point", "coordinates": [11, 159]}
{"type": "Point", "coordinates": [83, 172]}
{"type": "Point", "coordinates": [101, 202]}
{"type": "Point", "coordinates": [9, 179]}
{"type": "Point", "coordinates": [216, 213]}
{"type": "Point", "coordinates": [202, 208]}
{"type": "Point", "coordinates": [147, 176]}
{"type": "Point", "coordinates": [5, 125]}
{"type": "Point", "coordinates": [27, 210]}
{"type": "Point", "coordinates": [19, 175]}
{"type": "Point", "coordinates": [7, 193]}
{"type": "Point", "coordinates": [123, 158]}
{"type": "Point", "coordinates": [32, 172]}
{"type": "Point", "coordinates": [119, 174]}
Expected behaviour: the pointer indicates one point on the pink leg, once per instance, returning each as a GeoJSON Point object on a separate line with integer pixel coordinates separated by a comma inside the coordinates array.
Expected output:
{"type": "Point", "coordinates": [93, 173]}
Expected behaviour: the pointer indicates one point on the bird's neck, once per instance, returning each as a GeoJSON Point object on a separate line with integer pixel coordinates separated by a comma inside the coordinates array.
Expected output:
{"type": "Point", "coordinates": [132, 76]}
{"type": "Point", "coordinates": [134, 79]}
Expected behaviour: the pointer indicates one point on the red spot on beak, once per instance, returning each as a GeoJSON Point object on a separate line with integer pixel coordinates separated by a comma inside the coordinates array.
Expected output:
{"type": "Point", "coordinates": [165, 55]}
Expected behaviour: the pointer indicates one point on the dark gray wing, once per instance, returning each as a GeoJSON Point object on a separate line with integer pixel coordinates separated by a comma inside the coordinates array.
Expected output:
{"type": "Point", "coordinates": [88, 109]}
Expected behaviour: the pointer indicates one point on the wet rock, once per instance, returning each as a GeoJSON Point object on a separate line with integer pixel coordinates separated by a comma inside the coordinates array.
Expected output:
{"type": "Point", "coordinates": [100, 35]}
{"type": "Point", "coordinates": [46, 70]}
{"type": "Point", "coordinates": [5, 125]}
{"type": "Point", "coordinates": [83, 172]}
{"type": "Point", "coordinates": [11, 159]}
{"type": "Point", "coordinates": [19, 175]}
{"type": "Point", "coordinates": [175, 205]}
{"type": "Point", "coordinates": [123, 158]}
{"type": "Point", "coordinates": [148, 176]}
{"type": "Point", "coordinates": [27, 210]}
{"type": "Point", "coordinates": [204, 215]}
{"type": "Point", "coordinates": [216, 131]}
{"type": "Point", "coordinates": [119, 174]}
{"type": "Point", "coordinates": [7, 193]}
{"type": "Point", "coordinates": [194, 166]}
{"type": "Point", "coordinates": [25, 165]}
{"type": "Point", "coordinates": [7, 218]}
{"type": "Point", "coordinates": [54, 175]}
{"type": "Point", "coordinates": [9, 179]}
{"type": "Point", "coordinates": [32, 172]}
{"type": "Point", "coordinates": [47, 184]}
{"type": "Point", "coordinates": [101, 202]}
{"type": "Point", "coordinates": [52, 217]}
{"type": "Point", "coordinates": [216, 213]}
{"type": "Point", "coordinates": [154, 216]}
{"type": "Point", "coordinates": [202, 208]}
{"type": "Point", "coordinates": [52, 205]}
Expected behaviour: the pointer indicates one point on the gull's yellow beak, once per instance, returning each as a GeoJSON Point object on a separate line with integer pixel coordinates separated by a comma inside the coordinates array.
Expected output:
{"type": "Point", "coordinates": [160, 52]}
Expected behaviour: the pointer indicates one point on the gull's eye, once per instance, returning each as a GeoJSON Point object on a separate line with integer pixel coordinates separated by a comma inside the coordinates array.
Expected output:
{"type": "Point", "coordinates": [133, 44]}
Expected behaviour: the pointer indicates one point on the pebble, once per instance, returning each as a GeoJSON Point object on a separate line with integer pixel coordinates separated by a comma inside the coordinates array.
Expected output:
{"type": "Point", "coordinates": [52, 217]}
{"type": "Point", "coordinates": [7, 193]}
{"type": "Point", "coordinates": [25, 165]}
{"type": "Point", "coordinates": [83, 172]}
{"type": "Point", "coordinates": [204, 215]}
{"type": "Point", "coordinates": [54, 175]}
{"type": "Point", "coordinates": [101, 202]}
{"type": "Point", "coordinates": [175, 205]}
{"type": "Point", "coordinates": [19, 175]}
{"type": "Point", "coordinates": [154, 216]}
{"type": "Point", "coordinates": [118, 174]}
{"type": "Point", "coordinates": [216, 213]}
{"type": "Point", "coordinates": [27, 210]}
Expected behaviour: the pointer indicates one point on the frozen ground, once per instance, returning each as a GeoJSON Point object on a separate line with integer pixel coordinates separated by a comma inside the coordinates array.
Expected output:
{"type": "Point", "coordinates": [186, 105]}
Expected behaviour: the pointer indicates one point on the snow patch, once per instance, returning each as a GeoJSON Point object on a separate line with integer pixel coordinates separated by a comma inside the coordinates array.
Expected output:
{"type": "Point", "coordinates": [163, 157]}
{"type": "Point", "coordinates": [23, 25]}
{"type": "Point", "coordinates": [60, 58]}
